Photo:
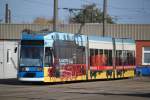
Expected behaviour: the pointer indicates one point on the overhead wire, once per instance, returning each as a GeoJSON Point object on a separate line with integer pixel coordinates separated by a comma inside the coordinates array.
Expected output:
{"type": "Point", "coordinates": [136, 12]}
{"type": "Point", "coordinates": [140, 12]}
{"type": "Point", "coordinates": [37, 2]}
{"type": "Point", "coordinates": [28, 11]}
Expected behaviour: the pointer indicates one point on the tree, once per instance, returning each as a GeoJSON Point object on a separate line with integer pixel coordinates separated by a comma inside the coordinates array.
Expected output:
{"type": "Point", "coordinates": [90, 14]}
{"type": "Point", "coordinates": [41, 20]}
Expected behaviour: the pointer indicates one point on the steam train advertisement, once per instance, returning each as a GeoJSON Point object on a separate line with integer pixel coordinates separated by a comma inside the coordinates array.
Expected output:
{"type": "Point", "coordinates": [58, 57]}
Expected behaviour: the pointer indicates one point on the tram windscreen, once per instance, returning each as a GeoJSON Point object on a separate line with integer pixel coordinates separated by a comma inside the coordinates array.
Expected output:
{"type": "Point", "coordinates": [31, 56]}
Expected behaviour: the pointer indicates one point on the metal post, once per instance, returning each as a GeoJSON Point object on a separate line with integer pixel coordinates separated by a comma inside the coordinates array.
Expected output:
{"type": "Point", "coordinates": [114, 56]}
{"type": "Point", "coordinates": [123, 54]}
{"type": "Point", "coordinates": [87, 57]}
{"type": "Point", "coordinates": [55, 17]}
{"type": "Point", "coordinates": [104, 16]}
{"type": "Point", "coordinates": [9, 16]}
{"type": "Point", "coordinates": [18, 58]}
{"type": "Point", "coordinates": [6, 13]}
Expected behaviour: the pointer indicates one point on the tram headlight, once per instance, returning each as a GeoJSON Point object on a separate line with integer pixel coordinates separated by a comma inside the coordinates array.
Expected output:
{"type": "Point", "coordinates": [22, 69]}
{"type": "Point", "coordinates": [39, 69]}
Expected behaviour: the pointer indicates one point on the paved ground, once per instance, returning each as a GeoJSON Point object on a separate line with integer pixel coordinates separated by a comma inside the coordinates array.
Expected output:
{"type": "Point", "coordinates": [128, 89]}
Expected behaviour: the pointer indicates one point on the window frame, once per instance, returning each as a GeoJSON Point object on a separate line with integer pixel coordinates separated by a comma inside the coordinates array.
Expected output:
{"type": "Point", "coordinates": [143, 52]}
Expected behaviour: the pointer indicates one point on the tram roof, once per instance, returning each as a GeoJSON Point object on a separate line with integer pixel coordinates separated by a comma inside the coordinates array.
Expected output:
{"type": "Point", "coordinates": [96, 38]}
{"type": "Point", "coordinates": [60, 35]}
{"type": "Point", "coordinates": [44, 35]}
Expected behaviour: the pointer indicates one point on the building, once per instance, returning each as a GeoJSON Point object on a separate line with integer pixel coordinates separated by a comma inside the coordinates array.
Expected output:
{"type": "Point", "coordinates": [8, 58]}
{"type": "Point", "coordinates": [143, 57]}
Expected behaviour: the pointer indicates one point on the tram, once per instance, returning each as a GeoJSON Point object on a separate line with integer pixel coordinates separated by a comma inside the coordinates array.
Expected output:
{"type": "Point", "coordinates": [58, 57]}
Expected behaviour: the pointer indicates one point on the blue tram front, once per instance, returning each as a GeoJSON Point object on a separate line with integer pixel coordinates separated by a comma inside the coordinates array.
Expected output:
{"type": "Point", "coordinates": [52, 57]}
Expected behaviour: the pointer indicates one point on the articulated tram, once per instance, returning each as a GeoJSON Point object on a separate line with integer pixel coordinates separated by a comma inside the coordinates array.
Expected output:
{"type": "Point", "coordinates": [58, 57]}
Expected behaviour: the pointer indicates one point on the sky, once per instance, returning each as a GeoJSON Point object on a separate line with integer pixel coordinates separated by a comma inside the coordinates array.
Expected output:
{"type": "Point", "coordinates": [123, 11]}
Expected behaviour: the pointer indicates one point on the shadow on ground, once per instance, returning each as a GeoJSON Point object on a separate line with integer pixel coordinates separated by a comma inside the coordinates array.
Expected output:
{"type": "Point", "coordinates": [146, 95]}
{"type": "Point", "coordinates": [14, 81]}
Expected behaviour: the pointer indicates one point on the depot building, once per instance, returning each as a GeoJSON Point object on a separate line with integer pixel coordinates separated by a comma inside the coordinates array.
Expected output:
{"type": "Point", "coordinates": [10, 35]}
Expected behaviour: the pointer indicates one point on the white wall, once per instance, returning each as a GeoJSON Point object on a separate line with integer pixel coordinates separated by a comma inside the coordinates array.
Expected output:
{"type": "Point", "coordinates": [8, 59]}
{"type": "Point", "coordinates": [1, 59]}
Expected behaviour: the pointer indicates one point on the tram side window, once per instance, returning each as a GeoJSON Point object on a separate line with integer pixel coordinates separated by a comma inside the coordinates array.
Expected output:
{"type": "Point", "coordinates": [133, 57]}
{"type": "Point", "coordinates": [130, 58]}
{"type": "Point", "coordinates": [48, 57]}
{"type": "Point", "coordinates": [119, 58]}
{"type": "Point", "coordinates": [92, 52]}
{"type": "Point", "coordinates": [100, 51]}
{"type": "Point", "coordinates": [92, 57]}
{"type": "Point", "coordinates": [107, 57]}
{"type": "Point", "coordinates": [96, 51]}
{"type": "Point", "coordinates": [100, 57]}
{"type": "Point", "coordinates": [125, 58]}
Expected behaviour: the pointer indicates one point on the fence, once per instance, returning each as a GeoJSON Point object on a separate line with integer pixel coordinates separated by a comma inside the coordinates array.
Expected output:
{"type": "Point", "coordinates": [135, 31]}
